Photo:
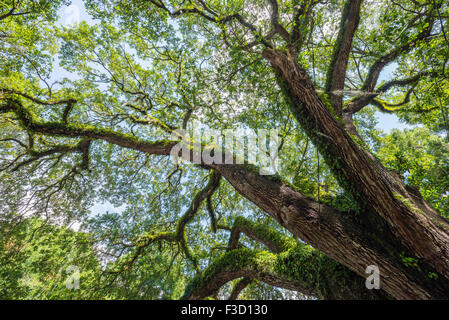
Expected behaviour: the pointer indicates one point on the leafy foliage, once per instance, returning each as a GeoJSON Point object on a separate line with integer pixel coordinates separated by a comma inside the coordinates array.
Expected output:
{"type": "Point", "coordinates": [143, 68]}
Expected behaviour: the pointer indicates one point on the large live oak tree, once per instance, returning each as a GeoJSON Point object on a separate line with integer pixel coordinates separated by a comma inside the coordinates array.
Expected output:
{"type": "Point", "coordinates": [389, 221]}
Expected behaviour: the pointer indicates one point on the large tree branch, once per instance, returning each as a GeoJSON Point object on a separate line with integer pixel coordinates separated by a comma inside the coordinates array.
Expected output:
{"type": "Point", "coordinates": [274, 241]}
{"type": "Point", "coordinates": [301, 269]}
{"type": "Point", "coordinates": [358, 103]}
{"type": "Point", "coordinates": [178, 236]}
{"type": "Point", "coordinates": [33, 124]}
{"type": "Point", "coordinates": [299, 30]}
{"type": "Point", "coordinates": [334, 232]}
{"type": "Point", "coordinates": [275, 21]}
{"type": "Point", "coordinates": [376, 68]}
{"type": "Point", "coordinates": [36, 100]}
{"type": "Point", "coordinates": [239, 287]}
{"type": "Point", "coordinates": [389, 210]}
{"type": "Point", "coordinates": [214, 18]}
{"type": "Point", "coordinates": [335, 80]}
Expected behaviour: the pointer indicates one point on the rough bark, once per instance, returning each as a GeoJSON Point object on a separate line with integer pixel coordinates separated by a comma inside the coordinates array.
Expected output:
{"type": "Point", "coordinates": [389, 210]}
{"type": "Point", "coordinates": [293, 270]}
{"type": "Point", "coordinates": [290, 264]}
{"type": "Point", "coordinates": [337, 70]}
{"type": "Point", "coordinates": [393, 222]}
{"type": "Point", "coordinates": [239, 287]}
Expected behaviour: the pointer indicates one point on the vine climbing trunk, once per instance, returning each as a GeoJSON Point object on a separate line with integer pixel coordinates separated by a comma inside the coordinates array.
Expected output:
{"type": "Point", "coordinates": [393, 224]}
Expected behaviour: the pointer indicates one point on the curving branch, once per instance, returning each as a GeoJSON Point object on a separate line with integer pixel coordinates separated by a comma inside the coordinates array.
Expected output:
{"type": "Point", "coordinates": [376, 68]}
{"type": "Point", "coordinates": [277, 27]}
{"type": "Point", "coordinates": [210, 15]}
{"type": "Point", "coordinates": [358, 103]}
{"type": "Point", "coordinates": [62, 149]}
{"type": "Point", "coordinates": [211, 212]}
{"type": "Point", "coordinates": [355, 105]}
{"type": "Point", "coordinates": [386, 106]}
{"type": "Point", "coordinates": [274, 241]}
{"type": "Point", "coordinates": [298, 33]}
{"type": "Point", "coordinates": [36, 100]}
{"type": "Point", "coordinates": [208, 190]}
{"type": "Point", "coordinates": [295, 267]}
{"type": "Point", "coordinates": [304, 217]}
{"type": "Point", "coordinates": [178, 236]}
{"type": "Point", "coordinates": [33, 124]}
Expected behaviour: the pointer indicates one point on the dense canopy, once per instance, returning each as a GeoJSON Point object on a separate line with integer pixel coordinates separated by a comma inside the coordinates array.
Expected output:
{"type": "Point", "coordinates": [96, 95]}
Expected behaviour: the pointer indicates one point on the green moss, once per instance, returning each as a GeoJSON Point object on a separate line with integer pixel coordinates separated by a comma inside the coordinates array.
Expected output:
{"type": "Point", "coordinates": [432, 275]}
{"type": "Point", "coordinates": [410, 262]}
{"type": "Point", "coordinates": [321, 141]}
{"type": "Point", "coordinates": [272, 177]}
{"type": "Point", "coordinates": [301, 265]}
{"type": "Point", "coordinates": [264, 232]}
{"type": "Point", "coordinates": [324, 97]}
{"type": "Point", "coordinates": [250, 167]}
{"type": "Point", "coordinates": [359, 142]}
{"type": "Point", "coordinates": [408, 203]}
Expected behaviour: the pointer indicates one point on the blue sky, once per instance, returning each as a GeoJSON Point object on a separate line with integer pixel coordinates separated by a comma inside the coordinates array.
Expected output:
{"type": "Point", "coordinates": [77, 13]}
{"type": "Point", "coordinates": [386, 122]}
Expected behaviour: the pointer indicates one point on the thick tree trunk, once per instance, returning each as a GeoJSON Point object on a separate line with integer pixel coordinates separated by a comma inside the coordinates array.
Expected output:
{"type": "Point", "coordinates": [394, 223]}
{"type": "Point", "coordinates": [341, 236]}
{"type": "Point", "coordinates": [395, 229]}
{"type": "Point", "coordinates": [289, 264]}
{"type": "Point", "coordinates": [289, 271]}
